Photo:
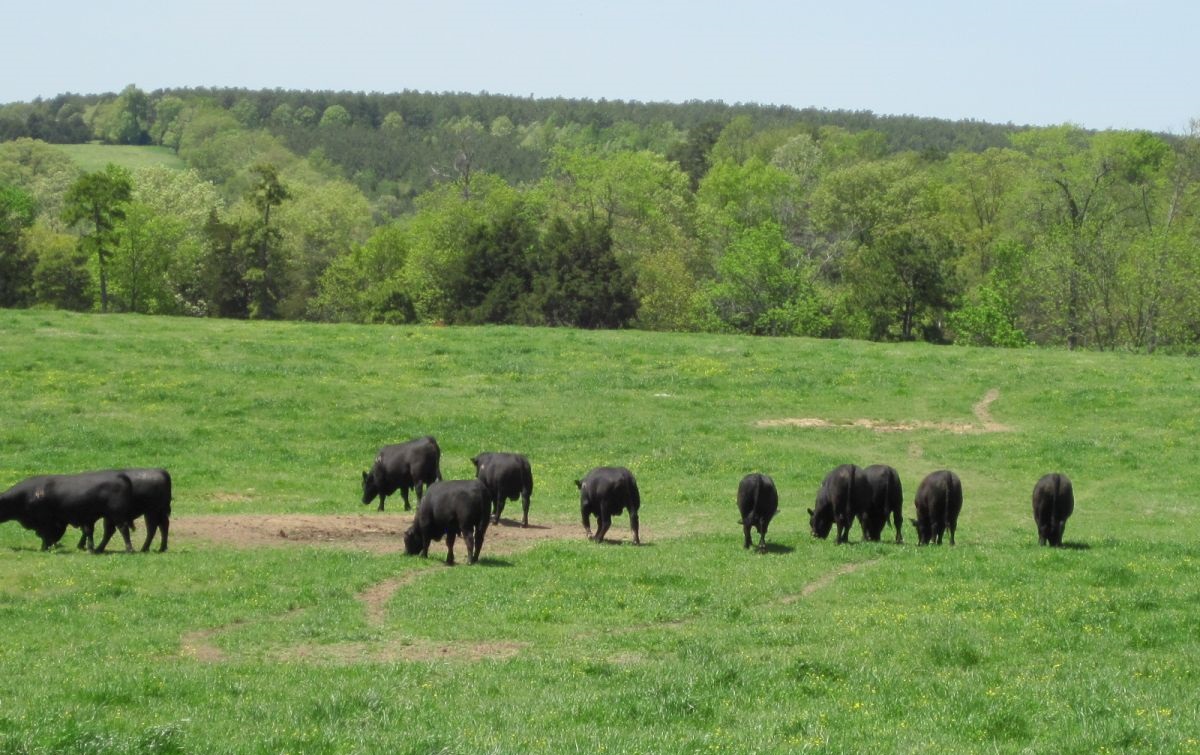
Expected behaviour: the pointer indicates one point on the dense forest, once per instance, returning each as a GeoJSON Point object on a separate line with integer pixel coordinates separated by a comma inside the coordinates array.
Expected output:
{"type": "Point", "coordinates": [478, 208]}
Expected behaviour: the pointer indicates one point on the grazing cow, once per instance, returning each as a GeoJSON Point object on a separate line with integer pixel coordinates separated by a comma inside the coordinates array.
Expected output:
{"type": "Point", "coordinates": [450, 509]}
{"type": "Point", "coordinates": [884, 504]}
{"type": "Point", "coordinates": [151, 499]}
{"type": "Point", "coordinates": [1053, 502]}
{"type": "Point", "coordinates": [938, 502]}
{"type": "Point", "coordinates": [842, 497]}
{"type": "Point", "coordinates": [48, 504]}
{"type": "Point", "coordinates": [604, 493]}
{"type": "Point", "coordinates": [508, 476]}
{"type": "Point", "coordinates": [402, 466]}
{"type": "Point", "coordinates": [757, 501]}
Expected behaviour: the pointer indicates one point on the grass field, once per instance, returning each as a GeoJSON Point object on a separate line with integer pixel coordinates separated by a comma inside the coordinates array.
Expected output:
{"type": "Point", "coordinates": [93, 157]}
{"type": "Point", "coordinates": [552, 644]}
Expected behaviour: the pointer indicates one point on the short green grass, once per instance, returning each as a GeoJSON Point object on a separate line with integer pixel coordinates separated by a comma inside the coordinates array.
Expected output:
{"type": "Point", "coordinates": [688, 644]}
{"type": "Point", "coordinates": [93, 157]}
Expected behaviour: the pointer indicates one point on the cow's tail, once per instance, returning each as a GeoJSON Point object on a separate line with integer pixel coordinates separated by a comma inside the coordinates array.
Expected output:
{"type": "Point", "coordinates": [527, 473]}
{"type": "Point", "coordinates": [887, 499]}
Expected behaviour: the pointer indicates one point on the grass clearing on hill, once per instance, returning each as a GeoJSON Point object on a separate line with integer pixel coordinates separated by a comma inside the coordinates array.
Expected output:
{"type": "Point", "coordinates": [93, 157]}
{"type": "Point", "coordinates": [321, 639]}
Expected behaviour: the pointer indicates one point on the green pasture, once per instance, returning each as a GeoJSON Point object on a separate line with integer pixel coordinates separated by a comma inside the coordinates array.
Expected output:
{"type": "Point", "coordinates": [688, 644]}
{"type": "Point", "coordinates": [93, 157]}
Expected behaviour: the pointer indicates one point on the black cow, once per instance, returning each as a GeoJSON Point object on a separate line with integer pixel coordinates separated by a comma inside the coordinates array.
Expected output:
{"type": "Point", "coordinates": [842, 497]}
{"type": "Point", "coordinates": [938, 503]}
{"type": "Point", "coordinates": [402, 466]}
{"type": "Point", "coordinates": [450, 509]}
{"type": "Point", "coordinates": [1053, 502]}
{"type": "Point", "coordinates": [151, 499]}
{"type": "Point", "coordinates": [885, 502]}
{"type": "Point", "coordinates": [757, 502]}
{"type": "Point", "coordinates": [508, 476]}
{"type": "Point", "coordinates": [48, 504]}
{"type": "Point", "coordinates": [604, 493]}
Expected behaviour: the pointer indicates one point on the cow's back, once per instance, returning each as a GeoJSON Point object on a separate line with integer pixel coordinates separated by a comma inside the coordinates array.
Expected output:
{"type": "Point", "coordinates": [757, 496]}
{"type": "Point", "coordinates": [613, 487]}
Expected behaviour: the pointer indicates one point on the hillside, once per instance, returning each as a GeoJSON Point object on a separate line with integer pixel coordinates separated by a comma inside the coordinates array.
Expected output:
{"type": "Point", "coordinates": [284, 616]}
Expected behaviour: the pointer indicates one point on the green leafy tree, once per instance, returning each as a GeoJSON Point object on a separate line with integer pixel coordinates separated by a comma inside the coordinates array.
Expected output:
{"type": "Point", "coordinates": [60, 278]}
{"type": "Point", "coordinates": [97, 201]}
{"type": "Point", "coordinates": [765, 286]}
{"type": "Point", "coordinates": [42, 171]}
{"type": "Point", "coordinates": [366, 283]}
{"type": "Point", "coordinates": [266, 270]}
{"type": "Point", "coordinates": [694, 154]}
{"type": "Point", "coordinates": [335, 116]}
{"type": "Point", "coordinates": [579, 281]}
{"type": "Point", "coordinates": [17, 212]}
{"type": "Point", "coordinates": [225, 292]}
{"type": "Point", "coordinates": [904, 280]}
{"type": "Point", "coordinates": [496, 278]}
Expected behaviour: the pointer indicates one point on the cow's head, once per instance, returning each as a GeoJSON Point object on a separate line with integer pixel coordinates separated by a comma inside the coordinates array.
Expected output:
{"type": "Point", "coordinates": [924, 531]}
{"type": "Point", "coordinates": [412, 541]}
{"type": "Point", "coordinates": [820, 521]}
{"type": "Point", "coordinates": [370, 489]}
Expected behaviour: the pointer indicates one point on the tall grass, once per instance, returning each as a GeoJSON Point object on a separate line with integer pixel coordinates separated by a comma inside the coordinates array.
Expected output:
{"type": "Point", "coordinates": [688, 644]}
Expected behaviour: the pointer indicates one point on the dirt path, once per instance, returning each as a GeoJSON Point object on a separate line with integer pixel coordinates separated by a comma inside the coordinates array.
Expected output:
{"type": "Point", "coordinates": [981, 410]}
{"type": "Point", "coordinates": [825, 580]}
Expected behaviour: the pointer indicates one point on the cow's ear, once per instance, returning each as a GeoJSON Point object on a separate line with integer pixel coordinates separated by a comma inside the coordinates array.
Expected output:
{"type": "Point", "coordinates": [810, 512]}
{"type": "Point", "coordinates": [475, 461]}
{"type": "Point", "coordinates": [365, 475]}
{"type": "Point", "coordinates": [579, 484]}
{"type": "Point", "coordinates": [914, 522]}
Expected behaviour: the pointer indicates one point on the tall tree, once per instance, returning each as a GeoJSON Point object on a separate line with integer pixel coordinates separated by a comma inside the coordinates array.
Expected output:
{"type": "Point", "coordinates": [98, 201]}
{"type": "Point", "coordinates": [17, 212]}
{"type": "Point", "coordinates": [266, 271]}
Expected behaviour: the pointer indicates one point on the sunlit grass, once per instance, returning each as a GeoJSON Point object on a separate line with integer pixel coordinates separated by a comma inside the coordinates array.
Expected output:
{"type": "Point", "coordinates": [689, 644]}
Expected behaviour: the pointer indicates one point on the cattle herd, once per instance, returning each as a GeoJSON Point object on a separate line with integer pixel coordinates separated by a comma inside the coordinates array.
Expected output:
{"type": "Point", "coordinates": [48, 504]}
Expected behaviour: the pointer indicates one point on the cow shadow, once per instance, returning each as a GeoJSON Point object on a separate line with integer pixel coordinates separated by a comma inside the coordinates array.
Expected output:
{"type": "Point", "coordinates": [778, 548]}
{"type": "Point", "coordinates": [514, 523]}
{"type": "Point", "coordinates": [608, 541]}
{"type": "Point", "coordinates": [491, 561]}
{"type": "Point", "coordinates": [1075, 546]}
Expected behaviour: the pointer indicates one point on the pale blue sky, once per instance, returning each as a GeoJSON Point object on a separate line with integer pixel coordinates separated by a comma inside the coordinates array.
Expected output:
{"type": "Point", "coordinates": [1100, 64]}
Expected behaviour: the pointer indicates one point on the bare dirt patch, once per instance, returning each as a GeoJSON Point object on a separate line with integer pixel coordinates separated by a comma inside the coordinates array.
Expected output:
{"type": "Point", "coordinates": [981, 410]}
{"type": "Point", "coordinates": [376, 532]}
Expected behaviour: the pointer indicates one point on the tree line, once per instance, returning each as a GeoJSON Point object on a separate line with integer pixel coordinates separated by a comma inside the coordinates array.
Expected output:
{"type": "Point", "coordinates": [488, 209]}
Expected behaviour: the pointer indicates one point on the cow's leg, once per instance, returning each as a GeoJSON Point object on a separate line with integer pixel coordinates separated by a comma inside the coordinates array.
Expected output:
{"type": "Point", "coordinates": [953, 526]}
{"type": "Point", "coordinates": [383, 498]}
{"type": "Point", "coordinates": [163, 527]}
{"type": "Point", "coordinates": [602, 525]}
{"type": "Point", "coordinates": [109, 528]}
{"type": "Point", "coordinates": [587, 522]}
{"type": "Point", "coordinates": [898, 521]}
{"type": "Point", "coordinates": [497, 507]}
{"type": "Point", "coordinates": [82, 540]}
{"type": "Point", "coordinates": [89, 532]}
{"type": "Point", "coordinates": [404, 495]}
{"type": "Point", "coordinates": [151, 528]}
{"type": "Point", "coordinates": [450, 548]}
{"type": "Point", "coordinates": [123, 528]}
{"type": "Point", "coordinates": [479, 533]}
{"type": "Point", "coordinates": [525, 509]}
{"type": "Point", "coordinates": [633, 525]}
{"type": "Point", "coordinates": [762, 537]}
{"type": "Point", "coordinates": [745, 533]}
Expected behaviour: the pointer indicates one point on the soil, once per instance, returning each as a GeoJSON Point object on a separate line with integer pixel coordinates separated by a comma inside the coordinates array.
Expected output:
{"type": "Point", "coordinates": [984, 424]}
{"type": "Point", "coordinates": [377, 532]}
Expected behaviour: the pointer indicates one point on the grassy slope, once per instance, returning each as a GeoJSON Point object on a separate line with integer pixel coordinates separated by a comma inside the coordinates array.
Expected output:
{"type": "Point", "coordinates": [686, 645]}
{"type": "Point", "coordinates": [93, 157]}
